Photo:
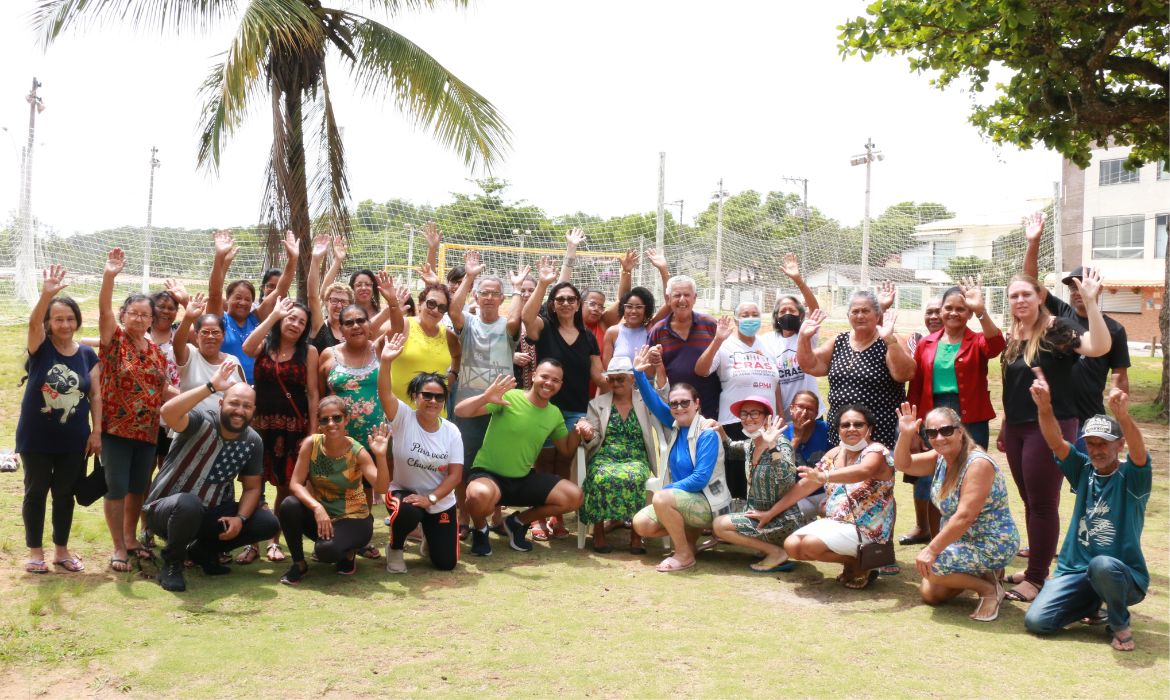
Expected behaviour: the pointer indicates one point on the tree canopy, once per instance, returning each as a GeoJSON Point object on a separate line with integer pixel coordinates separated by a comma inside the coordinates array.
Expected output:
{"type": "Point", "coordinates": [1082, 74]}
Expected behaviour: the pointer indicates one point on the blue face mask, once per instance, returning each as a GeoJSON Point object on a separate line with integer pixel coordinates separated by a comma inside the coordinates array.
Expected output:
{"type": "Point", "coordinates": [749, 326]}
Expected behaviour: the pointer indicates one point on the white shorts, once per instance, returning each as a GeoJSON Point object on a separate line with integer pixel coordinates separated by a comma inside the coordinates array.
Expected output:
{"type": "Point", "coordinates": [810, 507]}
{"type": "Point", "coordinates": [837, 536]}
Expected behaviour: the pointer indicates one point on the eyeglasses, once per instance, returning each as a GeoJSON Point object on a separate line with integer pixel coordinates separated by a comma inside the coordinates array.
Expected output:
{"type": "Point", "coordinates": [565, 301]}
{"type": "Point", "coordinates": [432, 305]}
{"type": "Point", "coordinates": [593, 305]}
{"type": "Point", "coordinates": [753, 414]}
{"type": "Point", "coordinates": [138, 314]}
{"type": "Point", "coordinates": [435, 396]}
{"type": "Point", "coordinates": [337, 302]}
{"type": "Point", "coordinates": [853, 425]}
{"type": "Point", "coordinates": [490, 295]}
{"type": "Point", "coordinates": [681, 403]}
{"type": "Point", "coordinates": [210, 333]}
{"type": "Point", "coordinates": [359, 321]}
{"type": "Point", "coordinates": [634, 307]}
{"type": "Point", "coordinates": [617, 378]}
{"type": "Point", "coordinates": [945, 431]}
{"type": "Point", "coordinates": [331, 420]}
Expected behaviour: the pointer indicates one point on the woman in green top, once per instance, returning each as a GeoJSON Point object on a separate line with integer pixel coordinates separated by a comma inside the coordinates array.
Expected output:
{"type": "Point", "coordinates": [328, 504]}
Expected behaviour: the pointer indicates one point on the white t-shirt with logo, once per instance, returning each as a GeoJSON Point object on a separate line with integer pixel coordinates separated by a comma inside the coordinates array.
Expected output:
{"type": "Point", "coordinates": [744, 370]}
{"type": "Point", "coordinates": [422, 459]}
{"type": "Point", "coordinates": [792, 377]}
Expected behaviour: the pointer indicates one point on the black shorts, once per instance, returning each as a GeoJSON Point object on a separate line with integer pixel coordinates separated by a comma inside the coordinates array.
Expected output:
{"type": "Point", "coordinates": [529, 490]}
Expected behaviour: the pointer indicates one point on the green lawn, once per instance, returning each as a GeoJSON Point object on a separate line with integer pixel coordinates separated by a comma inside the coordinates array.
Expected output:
{"type": "Point", "coordinates": [554, 622]}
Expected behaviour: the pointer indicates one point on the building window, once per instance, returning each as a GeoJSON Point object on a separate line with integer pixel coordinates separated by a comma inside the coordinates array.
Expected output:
{"type": "Point", "coordinates": [943, 252]}
{"type": "Point", "coordinates": [1112, 173]}
{"type": "Point", "coordinates": [1117, 237]}
{"type": "Point", "coordinates": [1162, 222]}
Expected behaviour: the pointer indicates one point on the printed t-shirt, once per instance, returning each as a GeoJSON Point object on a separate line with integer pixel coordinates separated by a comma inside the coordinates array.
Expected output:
{"type": "Point", "coordinates": [792, 378]}
{"type": "Point", "coordinates": [487, 354]}
{"type": "Point", "coordinates": [516, 433]}
{"type": "Point", "coordinates": [54, 413]}
{"type": "Point", "coordinates": [744, 370]}
{"type": "Point", "coordinates": [201, 462]}
{"type": "Point", "coordinates": [132, 388]}
{"type": "Point", "coordinates": [422, 459]}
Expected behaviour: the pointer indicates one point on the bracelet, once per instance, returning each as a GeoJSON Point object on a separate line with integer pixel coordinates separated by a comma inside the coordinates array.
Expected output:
{"type": "Point", "coordinates": [210, 387]}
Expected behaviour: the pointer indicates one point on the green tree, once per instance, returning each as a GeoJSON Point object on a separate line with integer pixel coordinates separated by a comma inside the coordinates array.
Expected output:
{"type": "Point", "coordinates": [278, 58]}
{"type": "Point", "coordinates": [968, 266]}
{"type": "Point", "coordinates": [1081, 73]}
{"type": "Point", "coordinates": [893, 231]}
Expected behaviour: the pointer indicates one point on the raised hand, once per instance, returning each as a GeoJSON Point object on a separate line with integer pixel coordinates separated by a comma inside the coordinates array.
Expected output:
{"type": "Point", "coordinates": [908, 420]}
{"type": "Point", "coordinates": [1118, 402]}
{"type": "Point", "coordinates": [886, 293]}
{"type": "Point", "coordinates": [658, 260]}
{"type": "Point", "coordinates": [629, 260]}
{"type": "Point", "coordinates": [340, 247]}
{"type": "Point", "coordinates": [386, 286]}
{"type": "Point", "coordinates": [54, 280]}
{"type": "Point", "coordinates": [642, 360]}
{"type": "Point", "coordinates": [432, 234]}
{"type": "Point", "coordinates": [725, 327]}
{"type": "Point", "coordinates": [584, 428]}
{"type": "Point", "coordinates": [1041, 394]}
{"type": "Point", "coordinates": [195, 306]}
{"type": "Point", "coordinates": [177, 290]}
{"type": "Point", "coordinates": [547, 270]}
{"type": "Point", "coordinates": [813, 473]}
{"type": "Point", "coordinates": [379, 439]}
{"type": "Point", "coordinates": [575, 237]}
{"type": "Point", "coordinates": [812, 322]}
{"type": "Point", "coordinates": [790, 266]}
{"type": "Point", "coordinates": [402, 294]}
{"type": "Point", "coordinates": [773, 429]}
{"type": "Point", "coordinates": [1090, 285]}
{"type": "Point", "coordinates": [283, 308]}
{"type": "Point", "coordinates": [1034, 226]}
{"type": "Point", "coordinates": [291, 251]}
{"type": "Point", "coordinates": [472, 263]}
{"type": "Point", "coordinates": [393, 347]}
{"type": "Point", "coordinates": [499, 386]}
{"type": "Point", "coordinates": [225, 245]}
{"type": "Point", "coordinates": [656, 356]}
{"type": "Point", "coordinates": [224, 376]}
{"type": "Point", "coordinates": [517, 277]}
{"type": "Point", "coordinates": [115, 261]}
{"type": "Point", "coordinates": [428, 275]}
{"type": "Point", "coordinates": [320, 245]}
{"type": "Point", "coordinates": [889, 318]}
{"type": "Point", "coordinates": [972, 288]}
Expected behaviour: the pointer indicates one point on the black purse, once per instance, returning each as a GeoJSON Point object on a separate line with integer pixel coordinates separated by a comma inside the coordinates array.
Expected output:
{"type": "Point", "coordinates": [870, 555]}
{"type": "Point", "coordinates": [92, 486]}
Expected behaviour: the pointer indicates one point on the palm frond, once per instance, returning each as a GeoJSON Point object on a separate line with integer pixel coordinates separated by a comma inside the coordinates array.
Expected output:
{"type": "Point", "coordinates": [389, 64]}
{"type": "Point", "coordinates": [329, 184]}
{"type": "Point", "coordinates": [274, 208]}
{"type": "Point", "coordinates": [394, 7]}
{"type": "Point", "coordinates": [53, 17]}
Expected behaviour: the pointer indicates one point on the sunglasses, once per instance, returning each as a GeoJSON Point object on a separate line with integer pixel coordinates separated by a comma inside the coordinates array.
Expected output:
{"type": "Point", "coordinates": [853, 425]}
{"type": "Point", "coordinates": [753, 414]}
{"type": "Point", "coordinates": [565, 301]}
{"type": "Point", "coordinates": [432, 396]}
{"type": "Point", "coordinates": [682, 403]}
{"type": "Point", "coordinates": [359, 321]}
{"type": "Point", "coordinates": [331, 420]}
{"type": "Point", "coordinates": [432, 305]}
{"type": "Point", "coordinates": [945, 431]}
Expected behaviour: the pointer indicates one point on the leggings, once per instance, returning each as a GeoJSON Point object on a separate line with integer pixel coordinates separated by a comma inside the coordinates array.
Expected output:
{"type": "Point", "coordinates": [1038, 479]}
{"type": "Point", "coordinates": [440, 529]}
{"type": "Point", "coordinates": [297, 522]}
{"type": "Point", "coordinates": [183, 520]}
{"type": "Point", "coordinates": [735, 468]}
{"type": "Point", "coordinates": [43, 473]}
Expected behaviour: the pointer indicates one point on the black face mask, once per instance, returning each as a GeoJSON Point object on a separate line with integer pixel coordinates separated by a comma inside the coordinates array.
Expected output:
{"type": "Point", "coordinates": [789, 322]}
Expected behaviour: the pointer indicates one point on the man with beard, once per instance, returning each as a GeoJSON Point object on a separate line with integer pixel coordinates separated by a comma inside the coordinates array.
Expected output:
{"type": "Point", "coordinates": [192, 500]}
{"type": "Point", "coordinates": [502, 473]}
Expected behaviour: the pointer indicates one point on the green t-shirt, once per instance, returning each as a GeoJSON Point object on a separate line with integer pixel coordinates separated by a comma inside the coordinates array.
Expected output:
{"type": "Point", "coordinates": [516, 433]}
{"type": "Point", "coordinates": [944, 380]}
{"type": "Point", "coordinates": [1108, 516]}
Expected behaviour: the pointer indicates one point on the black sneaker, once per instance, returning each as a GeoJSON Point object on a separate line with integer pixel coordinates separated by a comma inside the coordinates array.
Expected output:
{"type": "Point", "coordinates": [171, 577]}
{"type": "Point", "coordinates": [294, 574]}
{"type": "Point", "coordinates": [208, 561]}
{"type": "Point", "coordinates": [517, 534]}
{"type": "Point", "coordinates": [212, 567]}
{"type": "Point", "coordinates": [346, 567]}
{"type": "Point", "coordinates": [480, 546]}
{"type": "Point", "coordinates": [499, 529]}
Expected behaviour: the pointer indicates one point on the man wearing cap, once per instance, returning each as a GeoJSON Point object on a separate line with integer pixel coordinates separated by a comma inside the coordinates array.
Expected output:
{"type": "Point", "coordinates": [1101, 560]}
{"type": "Point", "coordinates": [1090, 373]}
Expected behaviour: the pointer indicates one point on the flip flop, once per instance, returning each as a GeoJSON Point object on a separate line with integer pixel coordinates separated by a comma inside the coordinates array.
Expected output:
{"type": "Point", "coordinates": [274, 553]}
{"type": "Point", "coordinates": [708, 545]}
{"type": "Point", "coordinates": [999, 595]}
{"type": "Point", "coordinates": [370, 552]}
{"type": "Point", "coordinates": [861, 582]}
{"type": "Point", "coordinates": [72, 564]}
{"type": "Point", "coordinates": [670, 565]}
{"type": "Point", "coordinates": [1121, 641]}
{"type": "Point", "coordinates": [891, 570]}
{"type": "Point", "coordinates": [122, 566]}
{"type": "Point", "coordinates": [36, 566]}
{"type": "Point", "coordinates": [1013, 579]}
{"type": "Point", "coordinates": [913, 539]}
{"type": "Point", "coordinates": [786, 565]}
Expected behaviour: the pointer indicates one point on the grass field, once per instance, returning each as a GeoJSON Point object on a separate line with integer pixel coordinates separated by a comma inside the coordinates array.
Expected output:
{"type": "Point", "coordinates": [556, 622]}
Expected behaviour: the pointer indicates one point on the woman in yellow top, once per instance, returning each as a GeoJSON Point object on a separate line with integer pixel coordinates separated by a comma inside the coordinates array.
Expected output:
{"type": "Point", "coordinates": [430, 345]}
{"type": "Point", "coordinates": [328, 503]}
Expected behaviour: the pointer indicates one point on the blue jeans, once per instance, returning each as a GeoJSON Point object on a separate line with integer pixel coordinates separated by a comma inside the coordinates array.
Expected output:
{"type": "Point", "coordinates": [1066, 599]}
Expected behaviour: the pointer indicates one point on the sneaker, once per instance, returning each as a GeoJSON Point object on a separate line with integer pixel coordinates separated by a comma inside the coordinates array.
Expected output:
{"type": "Point", "coordinates": [395, 563]}
{"type": "Point", "coordinates": [346, 567]}
{"type": "Point", "coordinates": [294, 575]}
{"type": "Point", "coordinates": [211, 563]}
{"type": "Point", "coordinates": [171, 577]}
{"type": "Point", "coordinates": [212, 567]}
{"type": "Point", "coordinates": [517, 534]}
{"type": "Point", "coordinates": [424, 550]}
{"type": "Point", "coordinates": [480, 546]}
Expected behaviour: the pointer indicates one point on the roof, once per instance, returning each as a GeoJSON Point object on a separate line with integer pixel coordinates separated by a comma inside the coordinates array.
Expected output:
{"type": "Point", "coordinates": [1126, 284]}
{"type": "Point", "coordinates": [876, 273]}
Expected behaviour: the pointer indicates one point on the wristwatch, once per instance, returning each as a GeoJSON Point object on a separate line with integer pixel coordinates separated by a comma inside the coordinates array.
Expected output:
{"type": "Point", "coordinates": [432, 498]}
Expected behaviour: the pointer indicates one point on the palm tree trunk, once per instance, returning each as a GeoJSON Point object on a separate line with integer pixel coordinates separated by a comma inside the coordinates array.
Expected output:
{"type": "Point", "coordinates": [296, 188]}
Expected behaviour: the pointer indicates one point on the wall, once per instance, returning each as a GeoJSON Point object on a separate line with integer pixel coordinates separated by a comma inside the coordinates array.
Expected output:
{"type": "Point", "coordinates": [1147, 197]}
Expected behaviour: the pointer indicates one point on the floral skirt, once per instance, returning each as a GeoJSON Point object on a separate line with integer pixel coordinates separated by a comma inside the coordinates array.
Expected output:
{"type": "Point", "coordinates": [614, 490]}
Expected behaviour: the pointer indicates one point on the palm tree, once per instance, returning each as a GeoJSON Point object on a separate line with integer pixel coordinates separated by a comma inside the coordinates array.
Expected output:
{"type": "Point", "coordinates": [279, 50]}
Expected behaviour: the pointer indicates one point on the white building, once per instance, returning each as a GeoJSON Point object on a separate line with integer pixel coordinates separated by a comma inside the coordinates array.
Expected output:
{"type": "Point", "coordinates": [961, 236]}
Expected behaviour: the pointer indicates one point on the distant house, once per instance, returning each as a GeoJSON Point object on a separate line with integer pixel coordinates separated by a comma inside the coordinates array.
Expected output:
{"type": "Point", "coordinates": [850, 276]}
{"type": "Point", "coordinates": [961, 236]}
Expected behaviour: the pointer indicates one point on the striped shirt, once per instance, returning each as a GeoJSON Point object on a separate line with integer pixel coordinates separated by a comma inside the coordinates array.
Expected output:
{"type": "Point", "coordinates": [204, 464]}
{"type": "Point", "coordinates": [680, 356]}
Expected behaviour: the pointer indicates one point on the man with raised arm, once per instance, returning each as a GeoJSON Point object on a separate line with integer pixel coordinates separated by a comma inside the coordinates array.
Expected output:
{"type": "Point", "coordinates": [502, 473]}
{"type": "Point", "coordinates": [684, 335]}
{"type": "Point", "coordinates": [1101, 560]}
{"type": "Point", "coordinates": [192, 501]}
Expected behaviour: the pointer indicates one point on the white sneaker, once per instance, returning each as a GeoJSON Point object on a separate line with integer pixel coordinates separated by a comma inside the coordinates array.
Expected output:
{"type": "Point", "coordinates": [423, 549]}
{"type": "Point", "coordinates": [395, 563]}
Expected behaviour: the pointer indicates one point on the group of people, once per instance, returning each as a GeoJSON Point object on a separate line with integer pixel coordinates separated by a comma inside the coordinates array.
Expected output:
{"type": "Point", "coordinates": [449, 407]}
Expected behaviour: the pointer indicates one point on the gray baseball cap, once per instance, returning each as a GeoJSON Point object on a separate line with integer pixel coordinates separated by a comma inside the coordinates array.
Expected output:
{"type": "Point", "coordinates": [1102, 426]}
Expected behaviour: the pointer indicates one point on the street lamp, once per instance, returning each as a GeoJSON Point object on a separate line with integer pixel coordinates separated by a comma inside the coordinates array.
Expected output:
{"type": "Point", "coordinates": [867, 159]}
{"type": "Point", "coordinates": [719, 195]}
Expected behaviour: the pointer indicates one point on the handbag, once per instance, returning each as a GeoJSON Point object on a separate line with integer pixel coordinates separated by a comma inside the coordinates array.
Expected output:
{"type": "Point", "coordinates": [870, 555]}
{"type": "Point", "coordinates": [92, 486]}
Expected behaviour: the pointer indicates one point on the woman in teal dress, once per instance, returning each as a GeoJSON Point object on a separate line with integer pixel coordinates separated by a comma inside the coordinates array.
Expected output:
{"type": "Point", "coordinates": [619, 444]}
{"type": "Point", "coordinates": [977, 536]}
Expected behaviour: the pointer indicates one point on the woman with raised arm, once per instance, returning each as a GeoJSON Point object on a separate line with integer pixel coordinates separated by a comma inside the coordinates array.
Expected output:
{"type": "Point", "coordinates": [868, 365]}
{"type": "Point", "coordinates": [286, 386]}
{"type": "Point", "coordinates": [428, 464]}
{"type": "Point", "coordinates": [1037, 339]}
{"type": "Point", "coordinates": [557, 331]}
{"type": "Point", "coordinates": [430, 346]}
{"type": "Point", "coordinates": [977, 537]}
{"type": "Point", "coordinates": [350, 371]}
{"type": "Point", "coordinates": [134, 386]}
{"type": "Point", "coordinates": [325, 300]}
{"type": "Point", "coordinates": [239, 317]}
{"type": "Point", "coordinates": [782, 340]}
{"type": "Point", "coordinates": [198, 361]}
{"type": "Point", "coordinates": [858, 476]}
{"type": "Point", "coordinates": [623, 339]}
{"type": "Point", "coordinates": [524, 359]}
{"type": "Point", "coordinates": [698, 491]}
{"type": "Point", "coordinates": [326, 502]}
{"type": "Point", "coordinates": [60, 420]}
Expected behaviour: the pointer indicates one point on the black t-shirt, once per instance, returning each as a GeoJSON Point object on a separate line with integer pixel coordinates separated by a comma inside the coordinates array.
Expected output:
{"type": "Point", "coordinates": [324, 339]}
{"type": "Point", "coordinates": [1090, 374]}
{"type": "Point", "coordinates": [577, 360]}
{"type": "Point", "coordinates": [1057, 357]}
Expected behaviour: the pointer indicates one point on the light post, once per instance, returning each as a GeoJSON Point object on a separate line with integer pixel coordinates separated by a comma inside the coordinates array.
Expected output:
{"type": "Point", "coordinates": [154, 164]}
{"type": "Point", "coordinates": [867, 159]}
{"type": "Point", "coordinates": [804, 211]}
{"type": "Point", "coordinates": [719, 195]}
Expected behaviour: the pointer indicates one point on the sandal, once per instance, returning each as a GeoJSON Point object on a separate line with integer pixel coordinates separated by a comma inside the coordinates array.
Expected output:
{"type": "Point", "coordinates": [1016, 595]}
{"type": "Point", "coordinates": [370, 552]}
{"type": "Point", "coordinates": [36, 566]}
{"type": "Point", "coordinates": [670, 565]}
{"type": "Point", "coordinates": [274, 553]}
{"type": "Point", "coordinates": [999, 595]}
{"type": "Point", "coordinates": [708, 545]}
{"type": "Point", "coordinates": [889, 570]}
{"type": "Point", "coordinates": [863, 581]}
{"type": "Point", "coordinates": [539, 533]}
{"type": "Point", "coordinates": [1013, 579]}
{"type": "Point", "coordinates": [557, 528]}
{"type": "Point", "coordinates": [249, 555]}
{"type": "Point", "coordinates": [1121, 640]}
{"type": "Point", "coordinates": [72, 564]}
{"type": "Point", "coordinates": [120, 565]}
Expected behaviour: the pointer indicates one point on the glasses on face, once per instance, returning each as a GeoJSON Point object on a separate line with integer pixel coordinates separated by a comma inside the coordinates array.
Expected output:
{"type": "Point", "coordinates": [681, 403]}
{"type": "Point", "coordinates": [490, 295]}
{"type": "Point", "coordinates": [945, 431]}
{"type": "Point", "coordinates": [617, 378]}
{"type": "Point", "coordinates": [634, 307]}
{"type": "Point", "coordinates": [754, 414]}
{"type": "Point", "coordinates": [359, 321]}
{"type": "Point", "coordinates": [436, 396]}
{"type": "Point", "coordinates": [565, 301]}
{"type": "Point", "coordinates": [138, 314]}
{"type": "Point", "coordinates": [336, 418]}
{"type": "Point", "coordinates": [853, 425]}
{"type": "Point", "coordinates": [593, 305]}
{"type": "Point", "coordinates": [337, 302]}
{"type": "Point", "coordinates": [433, 305]}
{"type": "Point", "coordinates": [210, 333]}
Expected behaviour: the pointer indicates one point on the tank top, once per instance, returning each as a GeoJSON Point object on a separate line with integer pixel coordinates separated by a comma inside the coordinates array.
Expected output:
{"type": "Point", "coordinates": [422, 353]}
{"type": "Point", "coordinates": [337, 481]}
{"type": "Point", "coordinates": [629, 340]}
{"type": "Point", "coordinates": [358, 388]}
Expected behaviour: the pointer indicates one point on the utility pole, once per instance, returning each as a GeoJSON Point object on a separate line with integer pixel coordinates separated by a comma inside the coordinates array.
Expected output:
{"type": "Point", "coordinates": [154, 163]}
{"type": "Point", "coordinates": [409, 254]}
{"type": "Point", "coordinates": [26, 281]}
{"type": "Point", "coordinates": [867, 159]}
{"type": "Point", "coordinates": [660, 228]}
{"type": "Point", "coordinates": [719, 248]}
{"type": "Point", "coordinates": [1058, 242]}
{"type": "Point", "coordinates": [804, 209]}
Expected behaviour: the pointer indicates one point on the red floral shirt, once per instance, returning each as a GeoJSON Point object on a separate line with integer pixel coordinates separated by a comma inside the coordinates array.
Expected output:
{"type": "Point", "coordinates": [132, 388]}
